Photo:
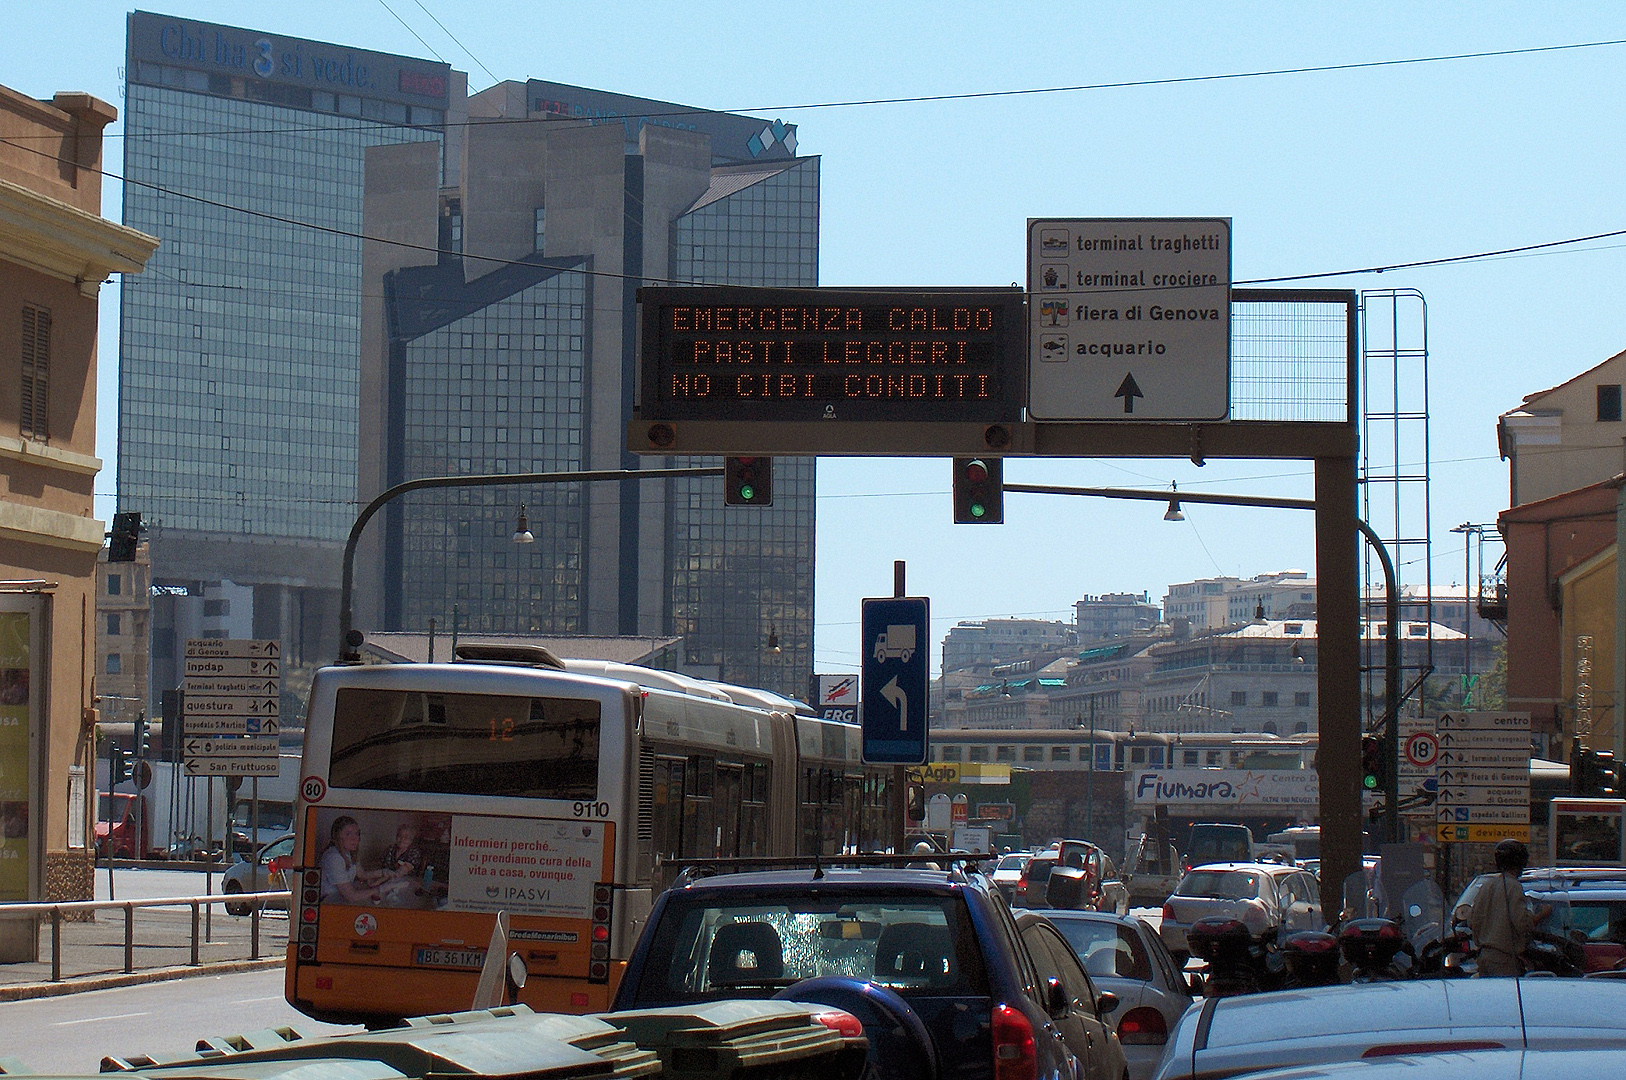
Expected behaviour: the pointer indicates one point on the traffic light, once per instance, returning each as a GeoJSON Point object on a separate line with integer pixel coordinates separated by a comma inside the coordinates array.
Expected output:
{"type": "Point", "coordinates": [748, 481]}
{"type": "Point", "coordinates": [979, 491]}
{"type": "Point", "coordinates": [141, 736]}
{"type": "Point", "coordinates": [118, 765]}
{"type": "Point", "coordinates": [1374, 769]}
{"type": "Point", "coordinates": [121, 545]}
{"type": "Point", "coordinates": [1594, 773]}
{"type": "Point", "coordinates": [915, 805]}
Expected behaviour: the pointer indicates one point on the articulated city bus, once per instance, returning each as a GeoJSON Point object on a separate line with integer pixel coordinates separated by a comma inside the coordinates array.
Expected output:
{"type": "Point", "coordinates": [433, 796]}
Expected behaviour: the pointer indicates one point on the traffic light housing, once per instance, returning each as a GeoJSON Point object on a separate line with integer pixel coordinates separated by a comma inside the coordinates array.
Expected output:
{"type": "Point", "coordinates": [1374, 768]}
{"type": "Point", "coordinates": [748, 481]}
{"type": "Point", "coordinates": [1595, 774]}
{"type": "Point", "coordinates": [121, 544]}
{"type": "Point", "coordinates": [141, 736]}
{"type": "Point", "coordinates": [915, 806]}
{"type": "Point", "coordinates": [979, 491]}
{"type": "Point", "coordinates": [118, 765]}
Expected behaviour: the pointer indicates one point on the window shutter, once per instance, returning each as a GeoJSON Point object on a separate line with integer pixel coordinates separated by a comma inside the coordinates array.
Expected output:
{"type": "Point", "coordinates": [36, 372]}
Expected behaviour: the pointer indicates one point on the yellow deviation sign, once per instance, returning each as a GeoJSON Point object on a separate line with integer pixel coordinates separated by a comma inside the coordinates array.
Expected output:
{"type": "Point", "coordinates": [1482, 834]}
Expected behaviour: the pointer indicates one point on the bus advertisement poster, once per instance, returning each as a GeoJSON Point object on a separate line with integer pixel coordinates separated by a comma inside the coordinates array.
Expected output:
{"type": "Point", "coordinates": [527, 867]}
{"type": "Point", "coordinates": [459, 862]}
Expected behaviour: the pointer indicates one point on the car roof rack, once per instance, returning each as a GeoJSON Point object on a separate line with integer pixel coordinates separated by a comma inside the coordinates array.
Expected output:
{"type": "Point", "coordinates": [955, 863]}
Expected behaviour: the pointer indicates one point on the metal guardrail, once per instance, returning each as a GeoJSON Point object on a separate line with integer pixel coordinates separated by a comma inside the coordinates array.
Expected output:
{"type": "Point", "coordinates": [55, 912]}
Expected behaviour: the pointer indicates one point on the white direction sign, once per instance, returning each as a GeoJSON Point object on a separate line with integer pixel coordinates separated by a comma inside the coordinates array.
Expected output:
{"type": "Point", "coordinates": [232, 707]}
{"type": "Point", "coordinates": [232, 725]}
{"type": "Point", "coordinates": [234, 687]}
{"type": "Point", "coordinates": [1483, 760]}
{"type": "Point", "coordinates": [239, 746]}
{"type": "Point", "coordinates": [254, 648]}
{"type": "Point", "coordinates": [1130, 318]}
{"type": "Point", "coordinates": [221, 766]}
{"type": "Point", "coordinates": [209, 666]}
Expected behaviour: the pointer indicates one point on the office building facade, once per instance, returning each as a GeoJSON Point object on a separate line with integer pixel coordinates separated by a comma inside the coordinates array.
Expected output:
{"type": "Point", "coordinates": [513, 351]}
{"type": "Point", "coordinates": [238, 384]}
{"type": "Point", "coordinates": [254, 421]}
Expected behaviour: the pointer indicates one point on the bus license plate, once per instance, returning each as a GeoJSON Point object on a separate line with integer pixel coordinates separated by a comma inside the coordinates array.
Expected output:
{"type": "Point", "coordinates": [457, 958]}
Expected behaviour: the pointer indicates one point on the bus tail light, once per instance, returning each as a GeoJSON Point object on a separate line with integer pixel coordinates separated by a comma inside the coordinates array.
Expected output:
{"type": "Point", "coordinates": [306, 913]}
{"type": "Point", "coordinates": [598, 965]}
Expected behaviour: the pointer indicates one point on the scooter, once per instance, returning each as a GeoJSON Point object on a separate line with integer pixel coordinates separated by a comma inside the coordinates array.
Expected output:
{"type": "Point", "coordinates": [1373, 948]}
{"type": "Point", "coordinates": [1311, 958]}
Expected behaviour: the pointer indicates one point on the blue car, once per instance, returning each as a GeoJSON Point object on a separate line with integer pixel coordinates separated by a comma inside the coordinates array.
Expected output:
{"type": "Point", "coordinates": [930, 961]}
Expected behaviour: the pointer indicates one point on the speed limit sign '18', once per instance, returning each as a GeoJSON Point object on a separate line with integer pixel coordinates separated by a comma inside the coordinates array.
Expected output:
{"type": "Point", "coordinates": [1422, 749]}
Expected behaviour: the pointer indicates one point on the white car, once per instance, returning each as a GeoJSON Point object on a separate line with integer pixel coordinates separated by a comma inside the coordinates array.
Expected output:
{"type": "Point", "coordinates": [1262, 895]}
{"type": "Point", "coordinates": [1233, 1036]}
{"type": "Point", "coordinates": [1009, 871]}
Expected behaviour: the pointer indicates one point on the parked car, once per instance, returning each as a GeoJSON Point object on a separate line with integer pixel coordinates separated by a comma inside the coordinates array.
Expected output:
{"type": "Point", "coordinates": [1087, 1017]}
{"type": "Point", "coordinates": [931, 962]}
{"type": "Point", "coordinates": [273, 861]}
{"type": "Point", "coordinates": [1127, 957]}
{"type": "Point", "coordinates": [1590, 912]}
{"type": "Point", "coordinates": [1089, 879]}
{"type": "Point", "coordinates": [1454, 1064]}
{"type": "Point", "coordinates": [1264, 896]}
{"type": "Point", "coordinates": [1235, 1036]}
{"type": "Point", "coordinates": [1008, 872]}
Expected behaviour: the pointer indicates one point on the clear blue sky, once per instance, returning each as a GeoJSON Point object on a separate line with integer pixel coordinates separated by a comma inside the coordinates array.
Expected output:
{"type": "Point", "coordinates": [1319, 171]}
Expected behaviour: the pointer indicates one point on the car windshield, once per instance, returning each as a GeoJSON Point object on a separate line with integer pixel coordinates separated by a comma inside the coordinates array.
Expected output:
{"type": "Point", "coordinates": [754, 946]}
{"type": "Point", "coordinates": [1012, 862]}
{"type": "Point", "coordinates": [1220, 884]}
{"type": "Point", "coordinates": [1107, 948]}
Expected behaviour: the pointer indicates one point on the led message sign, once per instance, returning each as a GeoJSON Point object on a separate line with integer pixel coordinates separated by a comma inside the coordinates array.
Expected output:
{"type": "Point", "coordinates": [816, 354]}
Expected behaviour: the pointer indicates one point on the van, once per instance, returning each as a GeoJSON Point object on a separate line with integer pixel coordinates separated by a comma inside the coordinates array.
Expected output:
{"type": "Point", "coordinates": [1218, 841]}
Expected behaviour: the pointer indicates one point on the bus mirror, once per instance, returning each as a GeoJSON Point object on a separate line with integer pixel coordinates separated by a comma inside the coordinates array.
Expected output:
{"type": "Point", "coordinates": [516, 971]}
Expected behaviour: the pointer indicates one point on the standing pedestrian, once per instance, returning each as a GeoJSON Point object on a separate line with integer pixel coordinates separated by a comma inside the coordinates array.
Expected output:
{"type": "Point", "coordinates": [1500, 917]}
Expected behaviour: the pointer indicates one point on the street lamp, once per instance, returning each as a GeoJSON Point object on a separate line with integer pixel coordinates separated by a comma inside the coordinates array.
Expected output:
{"type": "Point", "coordinates": [350, 639]}
{"type": "Point", "coordinates": [1391, 636]}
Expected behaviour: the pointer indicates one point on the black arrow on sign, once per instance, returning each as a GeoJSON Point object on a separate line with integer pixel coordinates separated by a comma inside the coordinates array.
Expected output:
{"type": "Point", "coordinates": [1128, 391]}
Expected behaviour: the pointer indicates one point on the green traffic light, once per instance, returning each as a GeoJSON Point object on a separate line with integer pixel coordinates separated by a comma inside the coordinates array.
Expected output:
{"type": "Point", "coordinates": [977, 509]}
{"type": "Point", "coordinates": [1370, 781]}
{"type": "Point", "coordinates": [747, 492]}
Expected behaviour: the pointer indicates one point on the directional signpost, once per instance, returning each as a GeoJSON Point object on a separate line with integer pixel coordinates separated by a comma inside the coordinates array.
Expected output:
{"type": "Point", "coordinates": [896, 637]}
{"type": "Point", "coordinates": [233, 705]}
{"type": "Point", "coordinates": [1130, 319]}
{"type": "Point", "coordinates": [1483, 763]}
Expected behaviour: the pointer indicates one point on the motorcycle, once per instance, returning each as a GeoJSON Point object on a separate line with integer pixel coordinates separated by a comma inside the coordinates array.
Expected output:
{"type": "Point", "coordinates": [1311, 959]}
{"type": "Point", "coordinates": [1239, 962]}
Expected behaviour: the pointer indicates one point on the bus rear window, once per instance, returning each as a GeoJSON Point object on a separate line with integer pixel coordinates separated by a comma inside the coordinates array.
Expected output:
{"type": "Point", "coordinates": [533, 747]}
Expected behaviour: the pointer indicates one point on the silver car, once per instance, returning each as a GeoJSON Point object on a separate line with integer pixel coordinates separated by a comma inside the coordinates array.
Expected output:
{"type": "Point", "coordinates": [1232, 1036]}
{"type": "Point", "coordinates": [1125, 955]}
{"type": "Point", "coordinates": [1462, 1065]}
{"type": "Point", "coordinates": [1263, 896]}
{"type": "Point", "coordinates": [243, 877]}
